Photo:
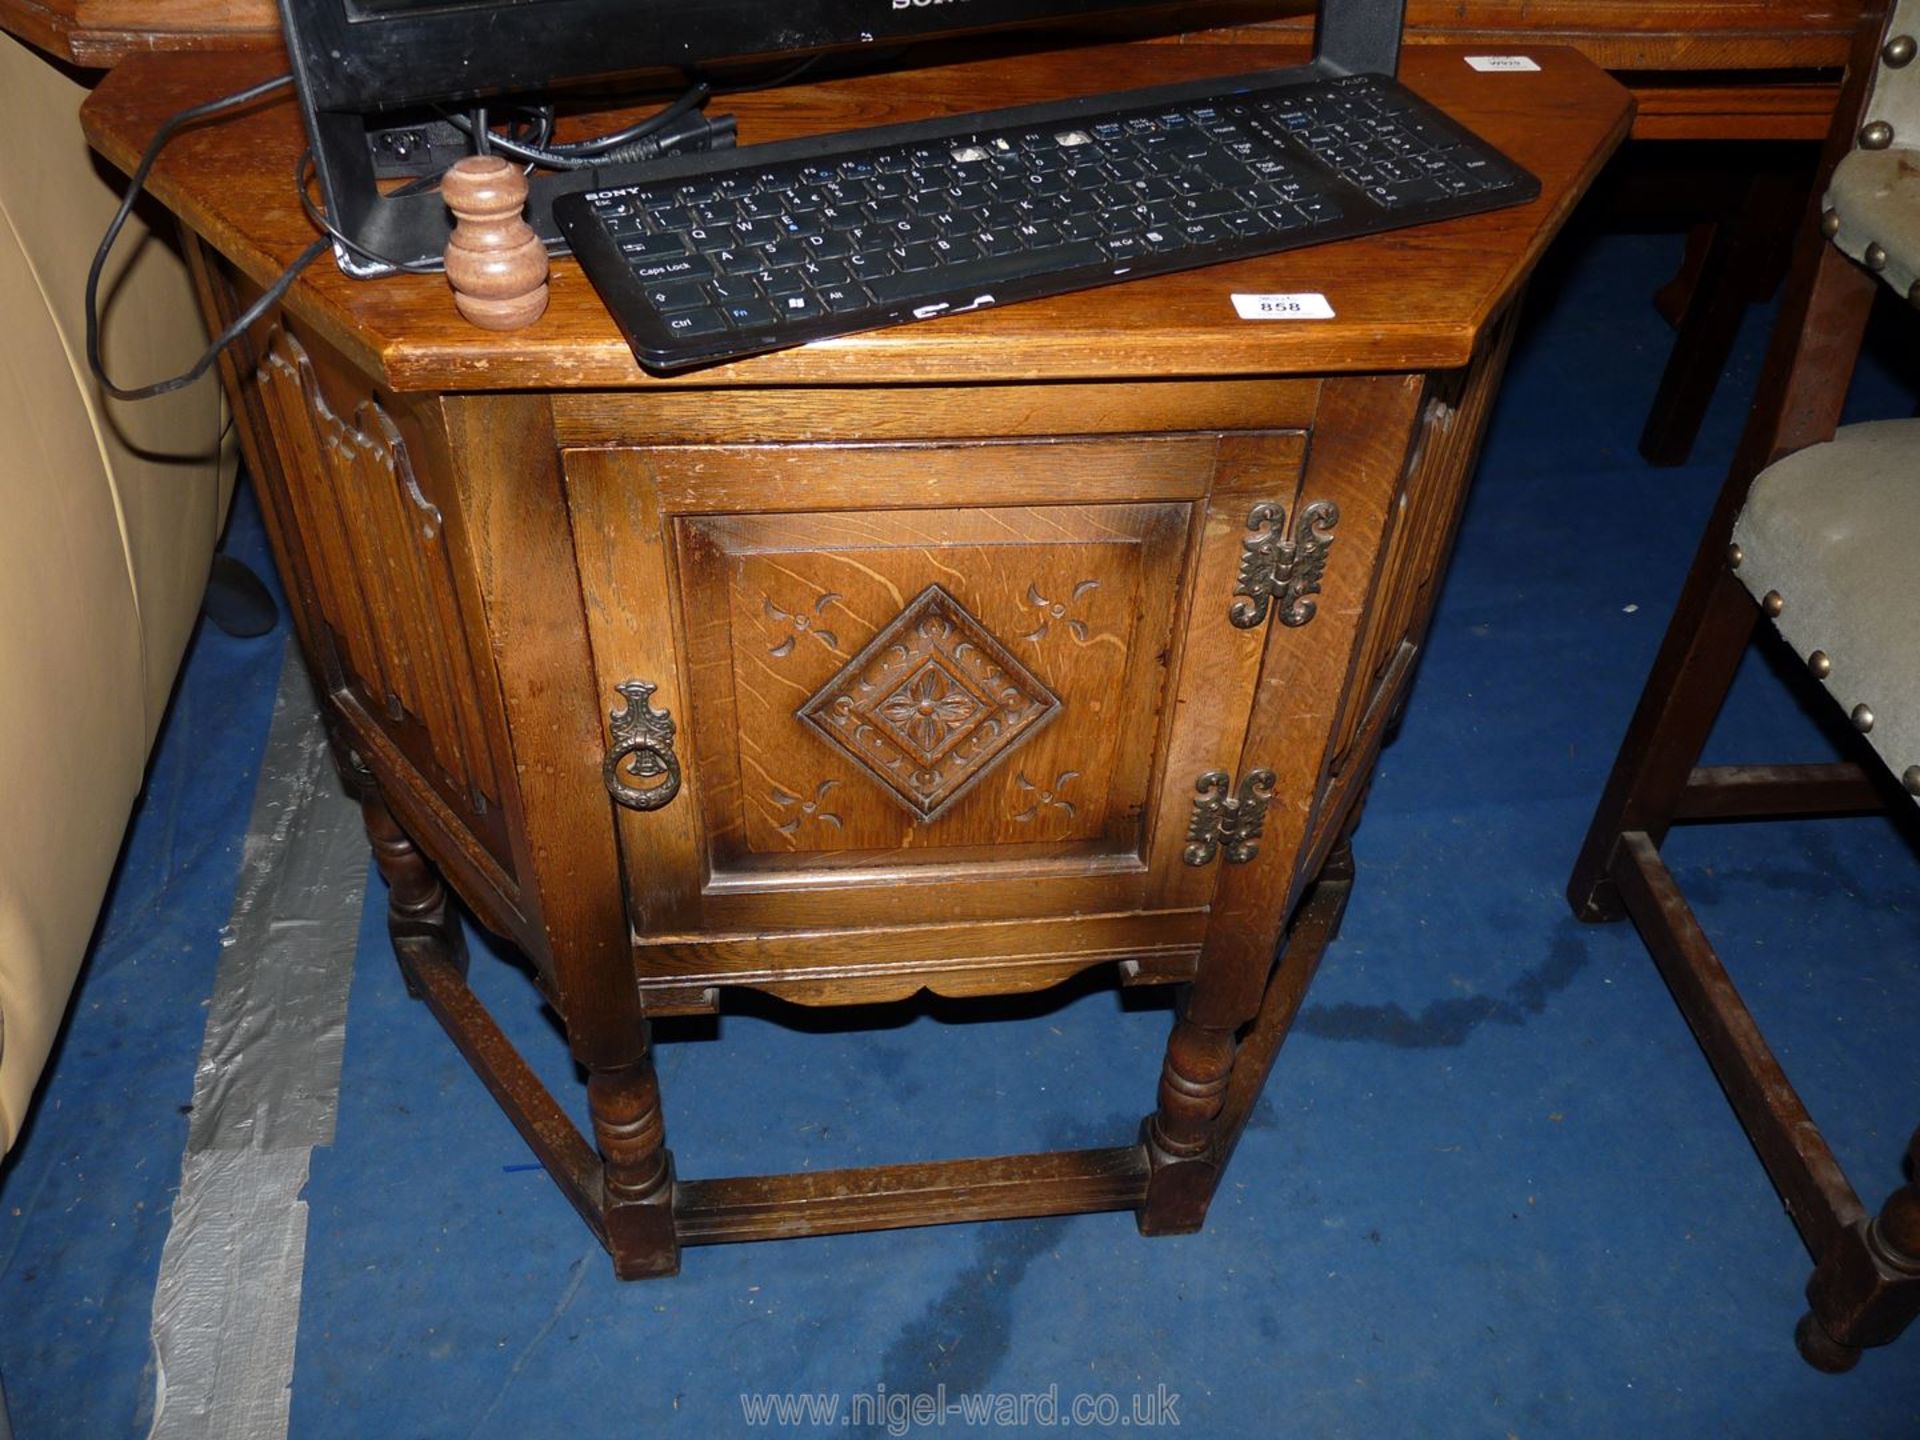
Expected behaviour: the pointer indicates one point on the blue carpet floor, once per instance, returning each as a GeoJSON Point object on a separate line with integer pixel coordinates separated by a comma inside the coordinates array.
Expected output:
{"type": "Point", "coordinates": [1493, 1189]}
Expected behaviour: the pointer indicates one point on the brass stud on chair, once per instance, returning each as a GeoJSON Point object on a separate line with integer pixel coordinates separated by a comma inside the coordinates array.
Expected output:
{"type": "Point", "coordinates": [1862, 718]}
{"type": "Point", "coordinates": [1734, 556]}
{"type": "Point", "coordinates": [1875, 257]}
{"type": "Point", "coordinates": [1820, 664]}
{"type": "Point", "coordinates": [1876, 135]}
{"type": "Point", "coordinates": [1830, 224]}
{"type": "Point", "coordinates": [1898, 51]}
{"type": "Point", "coordinates": [1910, 777]}
{"type": "Point", "coordinates": [1773, 602]}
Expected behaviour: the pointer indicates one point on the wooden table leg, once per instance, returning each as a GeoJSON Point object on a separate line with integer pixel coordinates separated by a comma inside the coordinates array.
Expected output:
{"type": "Point", "coordinates": [1179, 1134]}
{"type": "Point", "coordinates": [420, 916]}
{"type": "Point", "coordinates": [633, 1209]}
{"type": "Point", "coordinates": [1213, 1074]}
{"type": "Point", "coordinates": [637, 1169]}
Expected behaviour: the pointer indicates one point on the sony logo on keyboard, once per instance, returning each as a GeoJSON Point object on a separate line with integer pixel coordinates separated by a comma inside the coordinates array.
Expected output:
{"type": "Point", "coordinates": [922, 4]}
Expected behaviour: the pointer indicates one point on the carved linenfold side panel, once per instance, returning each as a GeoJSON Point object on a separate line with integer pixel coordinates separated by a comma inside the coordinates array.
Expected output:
{"type": "Point", "coordinates": [1441, 457]}
{"type": "Point", "coordinates": [931, 705]}
{"type": "Point", "coordinates": [382, 574]}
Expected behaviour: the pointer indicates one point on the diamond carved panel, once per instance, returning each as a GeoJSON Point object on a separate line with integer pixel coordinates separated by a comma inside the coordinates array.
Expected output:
{"type": "Point", "coordinates": [931, 705]}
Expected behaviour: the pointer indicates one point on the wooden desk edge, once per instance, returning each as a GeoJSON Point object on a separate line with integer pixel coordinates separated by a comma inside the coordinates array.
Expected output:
{"type": "Point", "coordinates": [409, 365]}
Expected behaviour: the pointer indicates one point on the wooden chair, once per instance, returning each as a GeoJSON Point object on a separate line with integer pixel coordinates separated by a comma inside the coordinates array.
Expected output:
{"type": "Point", "coordinates": [1814, 530]}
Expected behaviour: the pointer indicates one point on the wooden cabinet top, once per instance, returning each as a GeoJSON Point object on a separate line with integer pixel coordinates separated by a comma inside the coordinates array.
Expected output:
{"type": "Point", "coordinates": [1414, 299]}
{"type": "Point", "coordinates": [1620, 34]}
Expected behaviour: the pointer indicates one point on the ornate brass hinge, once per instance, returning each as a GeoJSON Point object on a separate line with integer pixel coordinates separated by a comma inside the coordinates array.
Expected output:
{"type": "Point", "coordinates": [642, 749]}
{"type": "Point", "coordinates": [1225, 821]}
{"type": "Point", "coordinates": [1274, 567]}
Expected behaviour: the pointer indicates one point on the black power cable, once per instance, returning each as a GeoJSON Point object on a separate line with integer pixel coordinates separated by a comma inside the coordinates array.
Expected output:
{"type": "Point", "coordinates": [641, 140]}
{"type": "Point", "coordinates": [302, 171]}
{"type": "Point", "coordinates": [669, 128]}
{"type": "Point", "coordinates": [192, 115]}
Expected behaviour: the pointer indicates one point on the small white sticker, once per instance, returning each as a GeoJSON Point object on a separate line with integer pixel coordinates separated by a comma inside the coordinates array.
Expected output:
{"type": "Point", "coordinates": [1312, 306]}
{"type": "Point", "coordinates": [1502, 62]}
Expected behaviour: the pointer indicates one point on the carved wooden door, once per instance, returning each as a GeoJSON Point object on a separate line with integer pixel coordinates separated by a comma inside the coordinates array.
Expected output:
{"type": "Point", "coordinates": [921, 684]}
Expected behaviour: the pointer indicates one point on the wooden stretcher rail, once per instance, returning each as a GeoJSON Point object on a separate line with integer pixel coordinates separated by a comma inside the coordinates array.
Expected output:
{"type": "Point", "coordinates": [890, 1197]}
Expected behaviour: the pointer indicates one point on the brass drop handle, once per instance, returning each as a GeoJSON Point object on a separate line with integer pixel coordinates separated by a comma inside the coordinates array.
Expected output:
{"type": "Point", "coordinates": [642, 749]}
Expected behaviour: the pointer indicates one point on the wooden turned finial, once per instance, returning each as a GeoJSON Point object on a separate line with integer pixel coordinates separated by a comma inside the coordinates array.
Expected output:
{"type": "Point", "coordinates": [495, 263]}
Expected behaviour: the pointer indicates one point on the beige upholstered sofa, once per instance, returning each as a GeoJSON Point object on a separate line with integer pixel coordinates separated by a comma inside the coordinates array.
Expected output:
{"type": "Point", "coordinates": [108, 518]}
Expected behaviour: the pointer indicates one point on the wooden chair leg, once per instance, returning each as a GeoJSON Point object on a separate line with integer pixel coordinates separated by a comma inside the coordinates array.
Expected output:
{"type": "Point", "coordinates": [1866, 1289]}
{"type": "Point", "coordinates": [1690, 679]}
{"type": "Point", "coordinates": [1741, 261]}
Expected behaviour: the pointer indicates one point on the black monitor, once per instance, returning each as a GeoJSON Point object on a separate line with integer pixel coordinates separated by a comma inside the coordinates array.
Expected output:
{"type": "Point", "coordinates": [356, 61]}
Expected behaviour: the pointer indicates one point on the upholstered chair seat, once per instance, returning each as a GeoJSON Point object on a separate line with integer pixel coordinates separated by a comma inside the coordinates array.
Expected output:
{"type": "Point", "coordinates": [1834, 532]}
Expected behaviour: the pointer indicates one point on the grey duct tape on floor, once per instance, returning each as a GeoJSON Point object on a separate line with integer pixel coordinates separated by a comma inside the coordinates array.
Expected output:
{"type": "Point", "coordinates": [265, 1092]}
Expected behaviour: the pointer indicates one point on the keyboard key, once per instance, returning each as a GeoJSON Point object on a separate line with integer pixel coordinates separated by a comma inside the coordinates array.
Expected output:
{"type": "Point", "coordinates": [825, 272]}
{"type": "Point", "coordinates": [843, 299]}
{"type": "Point", "coordinates": [681, 267]}
{"type": "Point", "coordinates": [786, 252]}
{"type": "Point", "coordinates": [651, 247]}
{"type": "Point", "coordinates": [718, 237]}
{"type": "Point", "coordinates": [982, 275]}
{"type": "Point", "coordinates": [691, 324]}
{"type": "Point", "coordinates": [675, 295]}
{"type": "Point", "coordinates": [868, 264]}
{"type": "Point", "coordinates": [747, 313]}
{"type": "Point", "coordinates": [1214, 202]}
{"type": "Point", "coordinates": [798, 307]}
{"type": "Point", "coordinates": [829, 246]}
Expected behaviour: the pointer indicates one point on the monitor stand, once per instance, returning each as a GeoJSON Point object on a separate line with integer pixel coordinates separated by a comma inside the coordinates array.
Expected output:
{"type": "Point", "coordinates": [410, 231]}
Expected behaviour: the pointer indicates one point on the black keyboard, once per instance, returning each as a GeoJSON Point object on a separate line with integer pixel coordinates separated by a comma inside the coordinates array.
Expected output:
{"type": "Point", "coordinates": [713, 257]}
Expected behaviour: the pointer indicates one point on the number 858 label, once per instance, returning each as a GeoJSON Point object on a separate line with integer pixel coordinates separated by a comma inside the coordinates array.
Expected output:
{"type": "Point", "coordinates": [1305, 306]}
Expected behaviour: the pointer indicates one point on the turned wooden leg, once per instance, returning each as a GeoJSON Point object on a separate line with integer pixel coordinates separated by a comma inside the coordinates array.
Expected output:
{"type": "Point", "coordinates": [1316, 924]}
{"type": "Point", "coordinates": [1218, 1056]}
{"type": "Point", "coordinates": [1866, 1290]}
{"type": "Point", "coordinates": [1179, 1135]}
{"type": "Point", "coordinates": [637, 1169]}
{"type": "Point", "coordinates": [420, 915]}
